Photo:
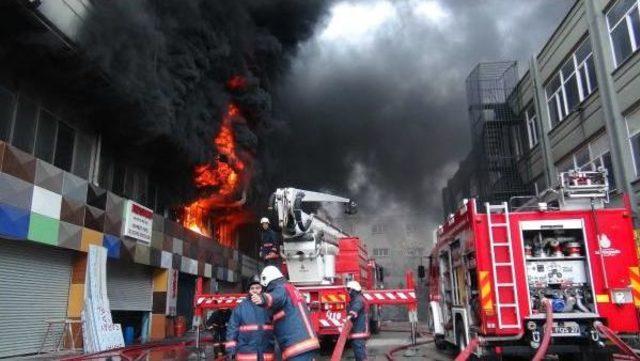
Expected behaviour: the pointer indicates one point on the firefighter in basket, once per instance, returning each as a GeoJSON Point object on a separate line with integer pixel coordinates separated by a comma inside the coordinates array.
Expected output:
{"type": "Point", "coordinates": [291, 322]}
{"type": "Point", "coordinates": [249, 331]}
{"type": "Point", "coordinates": [357, 312]}
{"type": "Point", "coordinates": [269, 243]}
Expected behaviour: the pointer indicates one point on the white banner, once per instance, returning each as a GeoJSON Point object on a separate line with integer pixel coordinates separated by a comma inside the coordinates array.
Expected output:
{"type": "Point", "coordinates": [138, 222]}
{"type": "Point", "coordinates": [100, 333]}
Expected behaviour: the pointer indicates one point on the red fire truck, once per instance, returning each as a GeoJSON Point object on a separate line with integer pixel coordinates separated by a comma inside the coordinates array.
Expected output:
{"type": "Point", "coordinates": [492, 273]}
{"type": "Point", "coordinates": [320, 259]}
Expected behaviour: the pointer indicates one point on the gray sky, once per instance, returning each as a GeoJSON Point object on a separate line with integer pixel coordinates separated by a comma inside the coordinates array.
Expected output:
{"type": "Point", "coordinates": [375, 101]}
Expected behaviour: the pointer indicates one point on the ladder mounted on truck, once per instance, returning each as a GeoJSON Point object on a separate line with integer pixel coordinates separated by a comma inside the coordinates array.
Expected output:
{"type": "Point", "coordinates": [502, 266]}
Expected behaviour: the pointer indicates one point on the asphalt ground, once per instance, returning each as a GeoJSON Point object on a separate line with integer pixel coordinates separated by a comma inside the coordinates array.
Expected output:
{"type": "Point", "coordinates": [379, 345]}
{"type": "Point", "coordinates": [392, 336]}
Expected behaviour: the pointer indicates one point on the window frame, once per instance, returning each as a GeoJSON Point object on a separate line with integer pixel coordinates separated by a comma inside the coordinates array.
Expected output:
{"type": "Point", "coordinates": [591, 156]}
{"type": "Point", "coordinates": [378, 228]}
{"type": "Point", "coordinates": [559, 95]}
{"type": "Point", "coordinates": [55, 133]}
{"type": "Point", "coordinates": [629, 140]}
{"type": "Point", "coordinates": [11, 113]}
{"type": "Point", "coordinates": [632, 37]}
{"type": "Point", "coordinates": [532, 120]}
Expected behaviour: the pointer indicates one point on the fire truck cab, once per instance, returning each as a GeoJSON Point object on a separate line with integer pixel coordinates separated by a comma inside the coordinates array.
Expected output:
{"type": "Point", "coordinates": [491, 271]}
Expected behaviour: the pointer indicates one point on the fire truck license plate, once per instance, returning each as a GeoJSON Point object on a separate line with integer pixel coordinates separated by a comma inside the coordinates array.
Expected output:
{"type": "Point", "coordinates": [566, 329]}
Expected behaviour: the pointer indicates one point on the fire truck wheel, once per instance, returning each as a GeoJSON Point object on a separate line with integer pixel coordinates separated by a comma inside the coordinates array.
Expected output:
{"type": "Point", "coordinates": [440, 343]}
{"type": "Point", "coordinates": [584, 355]}
{"type": "Point", "coordinates": [374, 326]}
{"type": "Point", "coordinates": [461, 338]}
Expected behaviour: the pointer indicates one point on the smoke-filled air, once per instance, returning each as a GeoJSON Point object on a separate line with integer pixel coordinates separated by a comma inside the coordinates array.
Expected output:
{"type": "Point", "coordinates": [362, 98]}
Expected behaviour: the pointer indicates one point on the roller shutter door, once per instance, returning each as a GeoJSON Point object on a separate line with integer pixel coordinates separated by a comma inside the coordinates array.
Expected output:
{"type": "Point", "coordinates": [129, 286]}
{"type": "Point", "coordinates": [34, 287]}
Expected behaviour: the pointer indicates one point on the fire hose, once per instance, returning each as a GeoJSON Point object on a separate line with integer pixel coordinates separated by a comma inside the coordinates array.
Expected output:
{"type": "Point", "coordinates": [466, 353]}
{"type": "Point", "coordinates": [342, 340]}
{"type": "Point", "coordinates": [136, 352]}
{"type": "Point", "coordinates": [542, 349]}
{"type": "Point", "coordinates": [548, 329]}
{"type": "Point", "coordinates": [608, 333]}
{"type": "Point", "coordinates": [390, 353]}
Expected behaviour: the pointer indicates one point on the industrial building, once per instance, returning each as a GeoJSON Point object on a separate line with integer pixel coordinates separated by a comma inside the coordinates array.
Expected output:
{"type": "Point", "coordinates": [65, 186]}
{"type": "Point", "coordinates": [398, 243]}
{"type": "Point", "coordinates": [576, 106]}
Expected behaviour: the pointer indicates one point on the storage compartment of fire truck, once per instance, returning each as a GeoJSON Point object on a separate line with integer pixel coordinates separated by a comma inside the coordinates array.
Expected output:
{"type": "Point", "coordinates": [557, 268]}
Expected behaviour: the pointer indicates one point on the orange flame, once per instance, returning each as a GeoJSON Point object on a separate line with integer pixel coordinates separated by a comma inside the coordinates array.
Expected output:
{"type": "Point", "coordinates": [224, 178]}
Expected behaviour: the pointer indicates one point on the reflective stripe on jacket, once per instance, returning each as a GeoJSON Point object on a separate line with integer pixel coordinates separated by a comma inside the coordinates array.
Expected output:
{"type": "Point", "coordinates": [269, 244]}
{"type": "Point", "coordinates": [291, 321]}
{"type": "Point", "coordinates": [359, 310]}
{"type": "Point", "coordinates": [250, 332]}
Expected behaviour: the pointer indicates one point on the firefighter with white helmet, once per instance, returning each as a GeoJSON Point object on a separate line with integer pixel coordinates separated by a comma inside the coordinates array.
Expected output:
{"type": "Point", "coordinates": [292, 326]}
{"type": "Point", "coordinates": [357, 312]}
{"type": "Point", "coordinates": [269, 243]}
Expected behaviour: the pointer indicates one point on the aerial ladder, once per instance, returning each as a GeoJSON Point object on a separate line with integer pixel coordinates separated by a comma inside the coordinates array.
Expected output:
{"type": "Point", "coordinates": [320, 259]}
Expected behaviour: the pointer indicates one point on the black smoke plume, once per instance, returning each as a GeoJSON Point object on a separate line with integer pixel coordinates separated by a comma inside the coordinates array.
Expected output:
{"type": "Point", "coordinates": [375, 102]}
{"type": "Point", "coordinates": [171, 62]}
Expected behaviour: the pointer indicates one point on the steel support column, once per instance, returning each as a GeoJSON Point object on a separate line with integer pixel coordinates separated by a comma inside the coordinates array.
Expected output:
{"type": "Point", "coordinates": [614, 122]}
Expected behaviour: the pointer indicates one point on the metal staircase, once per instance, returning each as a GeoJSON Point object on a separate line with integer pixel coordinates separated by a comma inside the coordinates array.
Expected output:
{"type": "Point", "coordinates": [499, 241]}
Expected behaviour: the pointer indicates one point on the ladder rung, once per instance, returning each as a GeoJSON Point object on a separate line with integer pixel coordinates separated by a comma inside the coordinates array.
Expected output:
{"type": "Point", "coordinates": [503, 264]}
{"type": "Point", "coordinates": [494, 225]}
{"type": "Point", "coordinates": [508, 305]}
{"type": "Point", "coordinates": [514, 325]}
{"type": "Point", "coordinates": [505, 285]}
{"type": "Point", "coordinates": [507, 244]}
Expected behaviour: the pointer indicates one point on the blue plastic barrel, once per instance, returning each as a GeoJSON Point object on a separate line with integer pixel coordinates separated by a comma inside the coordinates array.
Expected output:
{"type": "Point", "coordinates": [128, 335]}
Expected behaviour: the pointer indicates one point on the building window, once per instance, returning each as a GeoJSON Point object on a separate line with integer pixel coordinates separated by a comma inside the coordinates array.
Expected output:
{"type": "Point", "coordinates": [623, 21]}
{"type": "Point", "coordinates": [46, 136]}
{"type": "Point", "coordinates": [540, 185]}
{"type": "Point", "coordinates": [633, 129]}
{"type": "Point", "coordinates": [7, 106]}
{"type": "Point", "coordinates": [25, 124]}
{"type": "Point", "coordinates": [83, 156]}
{"type": "Point", "coordinates": [64, 147]}
{"type": "Point", "coordinates": [414, 252]}
{"type": "Point", "coordinates": [590, 157]}
{"type": "Point", "coordinates": [381, 252]}
{"type": "Point", "coordinates": [532, 126]}
{"type": "Point", "coordinates": [119, 172]}
{"type": "Point", "coordinates": [517, 141]}
{"type": "Point", "coordinates": [572, 84]}
{"type": "Point", "coordinates": [379, 228]}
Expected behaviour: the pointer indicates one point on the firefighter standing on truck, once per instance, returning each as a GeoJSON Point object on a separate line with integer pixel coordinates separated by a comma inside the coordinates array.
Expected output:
{"type": "Point", "coordinates": [269, 244]}
{"type": "Point", "coordinates": [357, 311]}
{"type": "Point", "coordinates": [249, 331]}
{"type": "Point", "coordinates": [292, 326]}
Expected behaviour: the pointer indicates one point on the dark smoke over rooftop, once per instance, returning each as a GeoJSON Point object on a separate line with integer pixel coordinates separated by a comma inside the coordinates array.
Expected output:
{"type": "Point", "coordinates": [375, 101]}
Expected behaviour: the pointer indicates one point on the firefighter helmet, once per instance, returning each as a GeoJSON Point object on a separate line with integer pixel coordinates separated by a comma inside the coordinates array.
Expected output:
{"type": "Point", "coordinates": [354, 285]}
{"type": "Point", "coordinates": [264, 220]}
{"type": "Point", "coordinates": [255, 280]}
{"type": "Point", "coordinates": [269, 274]}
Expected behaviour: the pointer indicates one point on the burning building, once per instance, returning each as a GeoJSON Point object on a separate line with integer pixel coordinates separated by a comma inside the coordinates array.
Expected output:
{"type": "Point", "coordinates": [223, 183]}
{"type": "Point", "coordinates": [116, 110]}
